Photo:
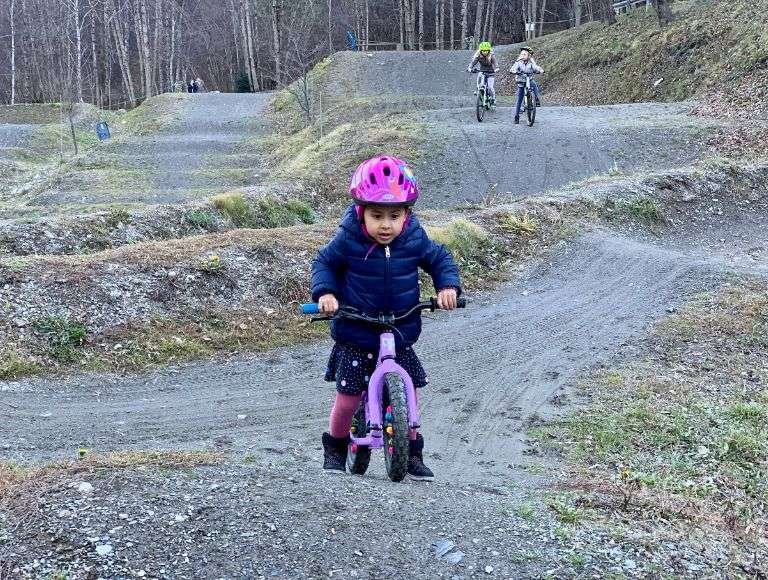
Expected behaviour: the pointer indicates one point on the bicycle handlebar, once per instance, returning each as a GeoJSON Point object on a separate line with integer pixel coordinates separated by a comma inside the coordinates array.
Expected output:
{"type": "Point", "coordinates": [383, 319]}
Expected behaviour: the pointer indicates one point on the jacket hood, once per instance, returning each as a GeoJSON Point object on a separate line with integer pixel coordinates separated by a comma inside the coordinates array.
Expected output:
{"type": "Point", "coordinates": [351, 223]}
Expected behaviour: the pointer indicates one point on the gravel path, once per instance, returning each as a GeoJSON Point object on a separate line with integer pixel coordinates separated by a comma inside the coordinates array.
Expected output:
{"type": "Point", "coordinates": [565, 145]}
{"type": "Point", "coordinates": [513, 357]}
{"type": "Point", "coordinates": [592, 300]}
{"type": "Point", "coordinates": [194, 156]}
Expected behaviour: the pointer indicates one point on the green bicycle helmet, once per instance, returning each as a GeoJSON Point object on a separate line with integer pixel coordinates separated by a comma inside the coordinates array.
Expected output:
{"type": "Point", "coordinates": [528, 49]}
{"type": "Point", "coordinates": [484, 46]}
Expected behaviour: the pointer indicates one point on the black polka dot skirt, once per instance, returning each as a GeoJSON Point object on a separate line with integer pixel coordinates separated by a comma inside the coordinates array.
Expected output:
{"type": "Point", "coordinates": [351, 367]}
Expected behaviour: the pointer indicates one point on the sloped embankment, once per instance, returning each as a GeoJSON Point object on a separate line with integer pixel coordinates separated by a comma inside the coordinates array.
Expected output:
{"type": "Point", "coordinates": [153, 302]}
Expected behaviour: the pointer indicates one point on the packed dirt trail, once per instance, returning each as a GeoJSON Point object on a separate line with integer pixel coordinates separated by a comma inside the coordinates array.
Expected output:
{"type": "Point", "coordinates": [193, 155]}
{"type": "Point", "coordinates": [465, 160]}
{"type": "Point", "coordinates": [513, 356]}
{"type": "Point", "coordinates": [493, 368]}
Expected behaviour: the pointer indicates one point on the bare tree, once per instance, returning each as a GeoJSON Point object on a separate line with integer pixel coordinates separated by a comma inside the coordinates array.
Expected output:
{"type": "Point", "coordinates": [13, 53]}
{"type": "Point", "coordinates": [421, 24]}
{"type": "Point", "coordinates": [663, 11]}
{"type": "Point", "coordinates": [277, 9]}
{"type": "Point", "coordinates": [464, 9]}
{"type": "Point", "coordinates": [452, 10]}
{"type": "Point", "coordinates": [479, 20]}
{"type": "Point", "coordinates": [577, 12]}
{"type": "Point", "coordinates": [605, 11]}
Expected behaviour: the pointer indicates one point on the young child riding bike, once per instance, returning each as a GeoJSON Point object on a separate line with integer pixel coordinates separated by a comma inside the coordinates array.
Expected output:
{"type": "Point", "coordinates": [372, 264]}
{"type": "Point", "coordinates": [525, 65]}
{"type": "Point", "coordinates": [489, 66]}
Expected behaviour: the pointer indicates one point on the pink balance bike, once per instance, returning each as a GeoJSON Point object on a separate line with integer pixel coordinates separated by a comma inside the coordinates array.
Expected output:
{"type": "Point", "coordinates": [388, 409]}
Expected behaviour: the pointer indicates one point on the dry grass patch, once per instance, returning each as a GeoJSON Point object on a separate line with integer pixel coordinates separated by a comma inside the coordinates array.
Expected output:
{"type": "Point", "coordinates": [18, 481]}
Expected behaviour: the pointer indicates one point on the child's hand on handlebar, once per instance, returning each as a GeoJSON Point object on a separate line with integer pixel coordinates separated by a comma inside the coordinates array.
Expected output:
{"type": "Point", "coordinates": [447, 298]}
{"type": "Point", "coordinates": [328, 304]}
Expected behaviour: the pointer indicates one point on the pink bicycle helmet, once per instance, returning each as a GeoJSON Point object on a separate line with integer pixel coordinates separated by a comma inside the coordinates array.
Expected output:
{"type": "Point", "coordinates": [384, 180]}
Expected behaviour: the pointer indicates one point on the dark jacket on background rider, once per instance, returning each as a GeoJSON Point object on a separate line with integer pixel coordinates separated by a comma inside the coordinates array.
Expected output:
{"type": "Point", "coordinates": [487, 65]}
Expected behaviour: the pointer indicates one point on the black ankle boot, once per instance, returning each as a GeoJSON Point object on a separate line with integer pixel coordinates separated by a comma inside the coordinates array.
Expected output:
{"type": "Point", "coordinates": [334, 453]}
{"type": "Point", "coordinates": [416, 468]}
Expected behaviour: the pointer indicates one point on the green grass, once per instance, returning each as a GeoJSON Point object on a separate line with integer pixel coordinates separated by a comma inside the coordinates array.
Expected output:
{"type": "Point", "coordinates": [564, 511]}
{"type": "Point", "coordinates": [264, 213]}
{"type": "Point", "coordinates": [526, 511]}
{"type": "Point", "coordinates": [14, 364]}
{"type": "Point", "coordinates": [691, 420]}
{"type": "Point", "coordinates": [234, 206]}
{"type": "Point", "coordinates": [640, 208]}
{"type": "Point", "coordinates": [477, 254]}
{"type": "Point", "coordinates": [200, 219]}
{"type": "Point", "coordinates": [63, 336]}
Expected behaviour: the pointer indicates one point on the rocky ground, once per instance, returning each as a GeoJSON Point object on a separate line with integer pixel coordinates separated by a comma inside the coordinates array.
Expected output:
{"type": "Point", "coordinates": [209, 467]}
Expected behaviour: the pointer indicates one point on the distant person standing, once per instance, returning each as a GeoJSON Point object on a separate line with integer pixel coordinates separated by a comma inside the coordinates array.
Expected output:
{"type": "Point", "coordinates": [195, 87]}
{"type": "Point", "coordinates": [190, 87]}
{"type": "Point", "coordinates": [200, 85]}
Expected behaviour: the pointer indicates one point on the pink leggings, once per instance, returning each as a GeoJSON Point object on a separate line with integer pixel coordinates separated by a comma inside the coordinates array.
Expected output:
{"type": "Point", "coordinates": [343, 410]}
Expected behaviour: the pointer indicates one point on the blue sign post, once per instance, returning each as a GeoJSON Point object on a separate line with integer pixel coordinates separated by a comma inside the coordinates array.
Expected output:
{"type": "Point", "coordinates": [102, 130]}
{"type": "Point", "coordinates": [351, 40]}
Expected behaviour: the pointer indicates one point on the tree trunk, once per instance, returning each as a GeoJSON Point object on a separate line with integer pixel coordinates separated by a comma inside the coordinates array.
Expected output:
{"type": "Point", "coordinates": [148, 76]}
{"type": "Point", "coordinates": [663, 11]}
{"type": "Point", "coordinates": [401, 4]}
{"type": "Point", "coordinates": [421, 24]}
{"type": "Point", "coordinates": [437, 25]}
{"type": "Point", "coordinates": [13, 54]}
{"type": "Point", "coordinates": [277, 6]}
{"type": "Point", "coordinates": [410, 23]}
{"type": "Point", "coordinates": [97, 84]}
{"type": "Point", "coordinates": [464, 10]}
{"type": "Point", "coordinates": [122, 54]}
{"type": "Point", "coordinates": [249, 43]}
{"type": "Point", "coordinates": [452, 22]}
{"type": "Point", "coordinates": [330, 26]}
{"type": "Point", "coordinates": [367, 24]}
{"type": "Point", "coordinates": [543, 16]}
{"type": "Point", "coordinates": [172, 47]}
{"type": "Point", "coordinates": [606, 11]}
{"type": "Point", "coordinates": [577, 12]}
{"type": "Point", "coordinates": [75, 6]}
{"type": "Point", "coordinates": [491, 22]}
{"type": "Point", "coordinates": [479, 21]}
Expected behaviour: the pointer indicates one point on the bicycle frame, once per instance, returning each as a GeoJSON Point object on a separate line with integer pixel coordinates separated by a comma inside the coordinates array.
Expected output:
{"type": "Point", "coordinates": [527, 90]}
{"type": "Point", "coordinates": [482, 83]}
{"type": "Point", "coordinates": [374, 394]}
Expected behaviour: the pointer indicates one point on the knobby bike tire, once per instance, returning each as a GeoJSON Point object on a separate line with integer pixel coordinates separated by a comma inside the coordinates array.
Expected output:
{"type": "Point", "coordinates": [480, 107]}
{"type": "Point", "coordinates": [357, 461]}
{"type": "Point", "coordinates": [396, 445]}
{"type": "Point", "coordinates": [530, 108]}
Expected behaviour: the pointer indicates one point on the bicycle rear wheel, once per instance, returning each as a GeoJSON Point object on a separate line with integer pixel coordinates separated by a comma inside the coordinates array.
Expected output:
{"type": "Point", "coordinates": [480, 107]}
{"type": "Point", "coordinates": [359, 456]}
{"type": "Point", "coordinates": [530, 108]}
{"type": "Point", "coordinates": [396, 430]}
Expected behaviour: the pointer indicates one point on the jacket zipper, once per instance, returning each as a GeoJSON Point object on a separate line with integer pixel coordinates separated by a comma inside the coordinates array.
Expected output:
{"type": "Point", "coordinates": [388, 278]}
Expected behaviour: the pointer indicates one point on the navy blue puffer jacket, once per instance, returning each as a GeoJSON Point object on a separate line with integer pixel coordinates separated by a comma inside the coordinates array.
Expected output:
{"type": "Point", "coordinates": [374, 283]}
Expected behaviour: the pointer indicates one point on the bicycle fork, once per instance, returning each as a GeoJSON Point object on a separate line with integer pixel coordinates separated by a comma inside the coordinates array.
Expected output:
{"type": "Point", "coordinates": [374, 397]}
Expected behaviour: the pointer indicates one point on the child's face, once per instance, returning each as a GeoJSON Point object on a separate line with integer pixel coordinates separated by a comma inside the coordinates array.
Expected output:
{"type": "Point", "coordinates": [485, 53]}
{"type": "Point", "coordinates": [524, 55]}
{"type": "Point", "coordinates": [384, 223]}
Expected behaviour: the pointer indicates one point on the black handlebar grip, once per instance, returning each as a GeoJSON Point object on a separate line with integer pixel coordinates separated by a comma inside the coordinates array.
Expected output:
{"type": "Point", "coordinates": [461, 303]}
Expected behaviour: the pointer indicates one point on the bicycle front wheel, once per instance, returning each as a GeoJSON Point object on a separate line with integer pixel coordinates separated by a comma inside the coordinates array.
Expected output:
{"type": "Point", "coordinates": [480, 108]}
{"type": "Point", "coordinates": [396, 430]}
{"type": "Point", "coordinates": [530, 106]}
